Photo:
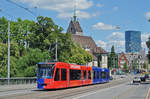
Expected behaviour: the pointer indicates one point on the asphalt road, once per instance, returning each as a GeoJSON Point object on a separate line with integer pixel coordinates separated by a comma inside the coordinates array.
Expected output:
{"type": "Point", "coordinates": [123, 91]}
{"type": "Point", "coordinates": [117, 89]}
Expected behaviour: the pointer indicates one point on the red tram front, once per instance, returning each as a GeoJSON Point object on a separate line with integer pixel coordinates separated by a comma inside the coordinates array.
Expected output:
{"type": "Point", "coordinates": [54, 75]}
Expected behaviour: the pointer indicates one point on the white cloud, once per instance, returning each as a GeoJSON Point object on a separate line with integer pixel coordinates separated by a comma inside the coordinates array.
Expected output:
{"type": "Point", "coordinates": [144, 37]}
{"type": "Point", "coordinates": [101, 44]}
{"type": "Point", "coordinates": [62, 6]}
{"type": "Point", "coordinates": [95, 14]}
{"type": "Point", "coordinates": [118, 40]}
{"type": "Point", "coordinates": [147, 15]}
{"type": "Point", "coordinates": [102, 26]}
{"type": "Point", "coordinates": [100, 5]}
{"type": "Point", "coordinates": [116, 8]}
{"type": "Point", "coordinates": [144, 45]}
{"type": "Point", "coordinates": [80, 14]}
{"type": "Point", "coordinates": [116, 36]}
{"type": "Point", "coordinates": [119, 45]}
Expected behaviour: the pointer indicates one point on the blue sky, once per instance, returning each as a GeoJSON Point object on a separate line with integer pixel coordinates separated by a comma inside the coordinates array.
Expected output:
{"type": "Point", "coordinates": [98, 18]}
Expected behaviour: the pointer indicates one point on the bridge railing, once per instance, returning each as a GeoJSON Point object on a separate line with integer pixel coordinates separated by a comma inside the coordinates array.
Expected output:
{"type": "Point", "coordinates": [18, 80]}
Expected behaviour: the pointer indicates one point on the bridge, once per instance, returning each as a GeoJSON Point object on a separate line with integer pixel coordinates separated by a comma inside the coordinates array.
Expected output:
{"type": "Point", "coordinates": [120, 88]}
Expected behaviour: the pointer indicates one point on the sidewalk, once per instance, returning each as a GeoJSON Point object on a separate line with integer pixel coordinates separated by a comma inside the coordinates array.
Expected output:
{"type": "Point", "coordinates": [17, 87]}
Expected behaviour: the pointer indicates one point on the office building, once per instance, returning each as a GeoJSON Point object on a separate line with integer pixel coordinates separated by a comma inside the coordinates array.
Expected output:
{"type": "Point", "coordinates": [132, 41]}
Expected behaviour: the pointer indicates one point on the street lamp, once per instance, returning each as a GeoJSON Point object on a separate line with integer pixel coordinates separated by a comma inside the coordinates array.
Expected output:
{"type": "Point", "coordinates": [8, 62]}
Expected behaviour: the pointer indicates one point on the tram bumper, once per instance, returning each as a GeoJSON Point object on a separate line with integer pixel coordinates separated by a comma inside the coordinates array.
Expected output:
{"type": "Point", "coordinates": [40, 83]}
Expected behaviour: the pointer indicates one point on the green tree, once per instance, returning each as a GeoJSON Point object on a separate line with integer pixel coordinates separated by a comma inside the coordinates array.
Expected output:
{"type": "Point", "coordinates": [29, 61]}
{"type": "Point", "coordinates": [112, 50]}
{"type": "Point", "coordinates": [76, 51]}
{"type": "Point", "coordinates": [44, 33]}
{"type": "Point", "coordinates": [135, 64]}
{"type": "Point", "coordinates": [78, 59]}
{"type": "Point", "coordinates": [4, 59]}
{"type": "Point", "coordinates": [32, 42]}
{"type": "Point", "coordinates": [145, 65]}
{"type": "Point", "coordinates": [20, 31]}
{"type": "Point", "coordinates": [112, 59]}
{"type": "Point", "coordinates": [3, 30]}
{"type": "Point", "coordinates": [125, 66]}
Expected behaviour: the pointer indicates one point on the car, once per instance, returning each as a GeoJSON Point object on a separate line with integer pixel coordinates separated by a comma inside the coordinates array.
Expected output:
{"type": "Point", "coordinates": [143, 79]}
{"type": "Point", "coordinates": [137, 80]}
{"type": "Point", "coordinates": [146, 76]}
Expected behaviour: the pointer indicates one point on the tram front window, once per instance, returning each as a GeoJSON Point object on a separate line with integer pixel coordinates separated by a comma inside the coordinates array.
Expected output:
{"type": "Point", "coordinates": [45, 71]}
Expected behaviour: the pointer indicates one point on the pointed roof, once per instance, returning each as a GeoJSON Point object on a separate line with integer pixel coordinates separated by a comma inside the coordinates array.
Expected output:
{"type": "Point", "coordinates": [76, 26]}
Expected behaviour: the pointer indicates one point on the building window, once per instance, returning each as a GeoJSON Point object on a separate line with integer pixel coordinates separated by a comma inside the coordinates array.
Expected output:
{"type": "Point", "coordinates": [63, 74]}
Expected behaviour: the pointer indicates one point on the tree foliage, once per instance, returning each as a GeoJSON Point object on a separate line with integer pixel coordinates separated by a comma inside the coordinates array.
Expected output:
{"type": "Point", "coordinates": [145, 65]}
{"type": "Point", "coordinates": [113, 59]}
{"type": "Point", "coordinates": [33, 42]}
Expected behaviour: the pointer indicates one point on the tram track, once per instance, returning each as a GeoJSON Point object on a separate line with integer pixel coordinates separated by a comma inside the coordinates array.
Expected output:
{"type": "Point", "coordinates": [66, 93]}
{"type": "Point", "coordinates": [92, 88]}
{"type": "Point", "coordinates": [107, 85]}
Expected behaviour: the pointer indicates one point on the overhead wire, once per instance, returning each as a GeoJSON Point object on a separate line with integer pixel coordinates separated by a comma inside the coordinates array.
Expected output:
{"type": "Point", "coordinates": [10, 1]}
{"type": "Point", "coordinates": [9, 15]}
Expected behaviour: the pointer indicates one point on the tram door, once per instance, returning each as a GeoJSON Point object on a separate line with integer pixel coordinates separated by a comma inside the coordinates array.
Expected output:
{"type": "Point", "coordinates": [64, 80]}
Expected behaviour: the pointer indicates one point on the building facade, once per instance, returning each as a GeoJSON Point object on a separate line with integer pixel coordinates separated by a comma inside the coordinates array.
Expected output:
{"type": "Point", "coordinates": [132, 41]}
{"type": "Point", "coordinates": [122, 60]}
{"type": "Point", "coordinates": [87, 43]}
{"type": "Point", "coordinates": [135, 60]}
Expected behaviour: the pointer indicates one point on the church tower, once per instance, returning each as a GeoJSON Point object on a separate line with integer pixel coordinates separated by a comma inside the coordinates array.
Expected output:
{"type": "Point", "coordinates": [74, 25]}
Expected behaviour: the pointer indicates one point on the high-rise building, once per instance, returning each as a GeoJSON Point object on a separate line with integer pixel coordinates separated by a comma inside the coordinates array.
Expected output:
{"type": "Point", "coordinates": [132, 41]}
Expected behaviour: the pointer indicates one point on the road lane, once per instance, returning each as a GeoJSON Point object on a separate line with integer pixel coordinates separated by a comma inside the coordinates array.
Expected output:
{"type": "Point", "coordinates": [59, 94]}
{"type": "Point", "coordinates": [123, 91]}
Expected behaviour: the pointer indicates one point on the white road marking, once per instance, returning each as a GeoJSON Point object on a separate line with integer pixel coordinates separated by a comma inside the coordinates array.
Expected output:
{"type": "Point", "coordinates": [101, 90]}
{"type": "Point", "coordinates": [147, 95]}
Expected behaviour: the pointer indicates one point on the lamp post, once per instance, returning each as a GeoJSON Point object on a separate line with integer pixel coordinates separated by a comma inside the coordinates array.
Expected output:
{"type": "Point", "coordinates": [56, 51]}
{"type": "Point", "coordinates": [8, 68]}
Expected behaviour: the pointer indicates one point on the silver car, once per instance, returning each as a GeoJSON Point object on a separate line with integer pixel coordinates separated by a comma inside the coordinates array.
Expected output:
{"type": "Point", "coordinates": [137, 80]}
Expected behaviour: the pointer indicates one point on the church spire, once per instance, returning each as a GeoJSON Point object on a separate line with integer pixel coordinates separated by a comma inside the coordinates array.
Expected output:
{"type": "Point", "coordinates": [74, 25]}
{"type": "Point", "coordinates": [75, 16]}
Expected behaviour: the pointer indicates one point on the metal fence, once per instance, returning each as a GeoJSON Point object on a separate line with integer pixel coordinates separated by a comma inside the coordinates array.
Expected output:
{"type": "Point", "coordinates": [18, 80]}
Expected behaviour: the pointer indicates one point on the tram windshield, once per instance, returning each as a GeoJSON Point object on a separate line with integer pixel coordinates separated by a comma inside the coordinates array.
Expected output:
{"type": "Point", "coordinates": [45, 71]}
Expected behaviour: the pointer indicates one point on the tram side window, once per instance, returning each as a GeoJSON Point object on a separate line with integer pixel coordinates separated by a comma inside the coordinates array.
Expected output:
{"type": "Point", "coordinates": [97, 75]}
{"type": "Point", "coordinates": [89, 75]}
{"type": "Point", "coordinates": [75, 74]}
{"type": "Point", "coordinates": [56, 75]}
{"type": "Point", "coordinates": [84, 75]}
{"type": "Point", "coordinates": [103, 74]}
{"type": "Point", "coordinates": [63, 74]}
{"type": "Point", "coordinates": [94, 75]}
{"type": "Point", "coordinates": [107, 75]}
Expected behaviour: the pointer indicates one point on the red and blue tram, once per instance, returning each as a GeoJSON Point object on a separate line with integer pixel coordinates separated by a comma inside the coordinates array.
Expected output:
{"type": "Point", "coordinates": [54, 75]}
